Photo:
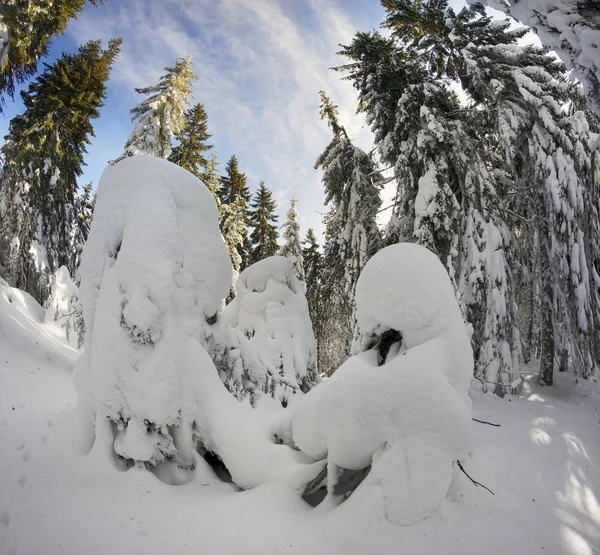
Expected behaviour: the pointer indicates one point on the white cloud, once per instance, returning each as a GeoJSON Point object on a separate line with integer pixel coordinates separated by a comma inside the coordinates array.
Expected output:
{"type": "Point", "coordinates": [260, 64]}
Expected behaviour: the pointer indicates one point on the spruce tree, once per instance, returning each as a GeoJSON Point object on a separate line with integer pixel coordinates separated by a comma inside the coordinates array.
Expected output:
{"type": "Point", "coordinates": [292, 247]}
{"type": "Point", "coordinates": [234, 184]}
{"type": "Point", "coordinates": [26, 30]}
{"type": "Point", "coordinates": [571, 28]}
{"type": "Point", "coordinates": [313, 267]}
{"type": "Point", "coordinates": [43, 157]}
{"type": "Point", "coordinates": [193, 137]}
{"type": "Point", "coordinates": [539, 148]}
{"type": "Point", "coordinates": [162, 115]}
{"type": "Point", "coordinates": [235, 194]}
{"type": "Point", "coordinates": [262, 220]}
{"type": "Point", "coordinates": [84, 205]}
{"type": "Point", "coordinates": [233, 227]}
{"type": "Point", "coordinates": [211, 178]}
{"type": "Point", "coordinates": [446, 198]}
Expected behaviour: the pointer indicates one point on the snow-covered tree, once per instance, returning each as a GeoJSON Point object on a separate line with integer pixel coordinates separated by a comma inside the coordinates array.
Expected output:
{"type": "Point", "coordinates": [262, 219]}
{"type": "Point", "coordinates": [312, 271]}
{"type": "Point", "coordinates": [85, 201]}
{"type": "Point", "coordinates": [352, 190]}
{"type": "Point", "coordinates": [43, 157]}
{"type": "Point", "coordinates": [270, 309]}
{"type": "Point", "coordinates": [234, 195]}
{"type": "Point", "coordinates": [191, 151]}
{"type": "Point", "coordinates": [162, 115]}
{"type": "Point", "coordinates": [571, 28]}
{"type": "Point", "coordinates": [26, 30]}
{"type": "Point", "coordinates": [149, 387]}
{"type": "Point", "coordinates": [233, 228]}
{"type": "Point", "coordinates": [292, 246]}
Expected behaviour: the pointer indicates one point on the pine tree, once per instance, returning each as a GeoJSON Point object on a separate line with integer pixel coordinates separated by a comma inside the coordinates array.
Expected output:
{"type": "Point", "coordinates": [26, 30]}
{"type": "Point", "coordinates": [211, 177]}
{"type": "Point", "coordinates": [43, 156]}
{"type": "Point", "coordinates": [538, 147]}
{"type": "Point", "coordinates": [234, 184]}
{"type": "Point", "coordinates": [262, 220]}
{"type": "Point", "coordinates": [571, 28]}
{"type": "Point", "coordinates": [193, 137]}
{"type": "Point", "coordinates": [235, 193]}
{"type": "Point", "coordinates": [233, 228]}
{"type": "Point", "coordinates": [352, 189]}
{"type": "Point", "coordinates": [162, 115]}
{"type": "Point", "coordinates": [446, 199]}
{"type": "Point", "coordinates": [292, 247]}
{"type": "Point", "coordinates": [313, 267]}
{"type": "Point", "coordinates": [312, 271]}
{"type": "Point", "coordinates": [84, 205]}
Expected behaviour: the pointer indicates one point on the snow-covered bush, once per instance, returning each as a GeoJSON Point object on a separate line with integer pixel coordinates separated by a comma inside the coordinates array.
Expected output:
{"type": "Point", "coordinates": [154, 273]}
{"type": "Point", "coordinates": [402, 406]}
{"type": "Point", "coordinates": [270, 309]}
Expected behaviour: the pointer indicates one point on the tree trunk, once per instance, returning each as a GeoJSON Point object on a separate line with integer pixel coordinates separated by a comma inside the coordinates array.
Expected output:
{"type": "Point", "coordinates": [547, 359]}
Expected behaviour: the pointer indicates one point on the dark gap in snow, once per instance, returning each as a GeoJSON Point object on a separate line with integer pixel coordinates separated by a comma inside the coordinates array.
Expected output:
{"type": "Point", "coordinates": [216, 463]}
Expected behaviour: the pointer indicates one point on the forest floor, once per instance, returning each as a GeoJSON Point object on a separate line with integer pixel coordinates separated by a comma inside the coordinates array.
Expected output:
{"type": "Point", "coordinates": [542, 463]}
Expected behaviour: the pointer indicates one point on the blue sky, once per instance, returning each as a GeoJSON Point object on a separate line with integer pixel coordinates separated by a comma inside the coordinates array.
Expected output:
{"type": "Point", "coordinates": [260, 65]}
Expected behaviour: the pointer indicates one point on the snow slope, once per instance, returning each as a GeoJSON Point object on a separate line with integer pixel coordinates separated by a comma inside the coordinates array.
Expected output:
{"type": "Point", "coordinates": [543, 465]}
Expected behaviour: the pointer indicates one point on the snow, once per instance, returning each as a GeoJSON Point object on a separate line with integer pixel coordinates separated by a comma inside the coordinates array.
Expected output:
{"type": "Point", "coordinates": [419, 302]}
{"type": "Point", "coordinates": [408, 411]}
{"type": "Point", "coordinates": [271, 310]}
{"type": "Point", "coordinates": [543, 465]}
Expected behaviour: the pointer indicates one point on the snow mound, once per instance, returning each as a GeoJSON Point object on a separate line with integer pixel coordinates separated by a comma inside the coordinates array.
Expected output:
{"type": "Point", "coordinates": [154, 269]}
{"type": "Point", "coordinates": [406, 415]}
{"type": "Point", "coordinates": [154, 273]}
{"type": "Point", "coordinates": [271, 310]}
{"type": "Point", "coordinates": [406, 288]}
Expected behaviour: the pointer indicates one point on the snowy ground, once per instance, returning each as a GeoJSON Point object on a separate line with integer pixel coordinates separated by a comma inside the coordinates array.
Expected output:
{"type": "Point", "coordinates": [543, 465]}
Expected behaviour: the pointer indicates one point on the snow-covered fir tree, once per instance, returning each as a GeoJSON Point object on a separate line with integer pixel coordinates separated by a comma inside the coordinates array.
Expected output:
{"type": "Point", "coordinates": [211, 177]}
{"type": "Point", "coordinates": [43, 157]}
{"type": "Point", "coordinates": [26, 30]}
{"type": "Point", "coordinates": [571, 28]}
{"type": "Point", "coordinates": [446, 198]}
{"type": "Point", "coordinates": [233, 227]}
{"type": "Point", "coordinates": [292, 246]}
{"type": "Point", "coordinates": [161, 115]}
{"type": "Point", "coordinates": [85, 201]}
{"type": "Point", "coordinates": [352, 190]}
{"type": "Point", "coordinates": [191, 151]}
{"type": "Point", "coordinates": [312, 271]}
{"type": "Point", "coordinates": [235, 193]}
{"type": "Point", "coordinates": [262, 219]}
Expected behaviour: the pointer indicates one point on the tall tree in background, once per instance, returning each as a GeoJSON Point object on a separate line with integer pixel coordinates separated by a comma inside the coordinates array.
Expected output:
{"type": "Point", "coordinates": [26, 30]}
{"type": "Point", "coordinates": [352, 186]}
{"type": "Point", "coordinates": [162, 115]}
{"type": "Point", "coordinates": [43, 157]}
{"type": "Point", "coordinates": [211, 178]}
{"type": "Point", "coordinates": [84, 205]}
{"type": "Point", "coordinates": [191, 151]}
{"type": "Point", "coordinates": [262, 220]}
{"type": "Point", "coordinates": [313, 264]}
{"type": "Point", "coordinates": [234, 196]}
{"type": "Point", "coordinates": [292, 246]}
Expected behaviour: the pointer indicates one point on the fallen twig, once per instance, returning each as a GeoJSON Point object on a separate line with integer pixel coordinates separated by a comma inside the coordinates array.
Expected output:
{"type": "Point", "coordinates": [485, 422]}
{"type": "Point", "coordinates": [474, 481]}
